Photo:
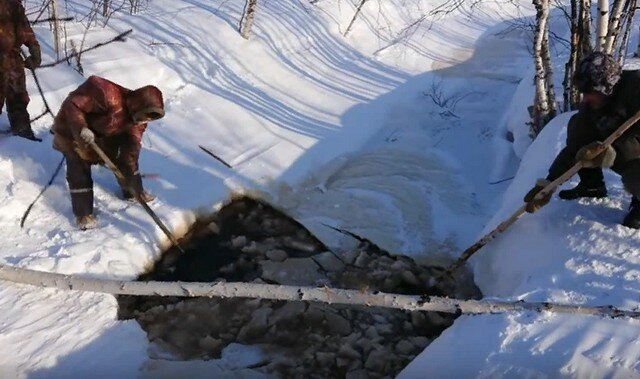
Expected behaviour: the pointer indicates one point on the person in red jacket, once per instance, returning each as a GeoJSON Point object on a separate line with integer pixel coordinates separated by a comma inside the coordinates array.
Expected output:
{"type": "Point", "coordinates": [114, 118]}
{"type": "Point", "coordinates": [15, 31]}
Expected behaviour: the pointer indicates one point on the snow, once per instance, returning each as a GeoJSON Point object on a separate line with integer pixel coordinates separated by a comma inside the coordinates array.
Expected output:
{"type": "Point", "coordinates": [339, 131]}
{"type": "Point", "coordinates": [568, 252]}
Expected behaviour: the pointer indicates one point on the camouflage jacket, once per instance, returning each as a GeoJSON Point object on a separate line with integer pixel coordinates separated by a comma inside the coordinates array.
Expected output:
{"type": "Point", "coordinates": [590, 125]}
{"type": "Point", "coordinates": [100, 105]}
{"type": "Point", "coordinates": [15, 30]}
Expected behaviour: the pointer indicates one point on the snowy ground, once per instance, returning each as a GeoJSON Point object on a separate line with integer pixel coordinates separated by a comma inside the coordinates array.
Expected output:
{"type": "Point", "coordinates": [342, 131]}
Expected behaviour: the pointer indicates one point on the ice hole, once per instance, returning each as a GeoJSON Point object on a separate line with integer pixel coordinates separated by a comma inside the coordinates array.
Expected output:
{"type": "Point", "coordinates": [250, 241]}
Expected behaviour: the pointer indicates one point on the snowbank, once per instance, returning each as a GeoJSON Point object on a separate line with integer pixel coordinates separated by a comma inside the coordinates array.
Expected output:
{"type": "Point", "coordinates": [570, 251]}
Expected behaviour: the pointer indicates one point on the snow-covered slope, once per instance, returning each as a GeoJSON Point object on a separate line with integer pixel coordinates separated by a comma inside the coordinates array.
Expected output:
{"type": "Point", "coordinates": [568, 252]}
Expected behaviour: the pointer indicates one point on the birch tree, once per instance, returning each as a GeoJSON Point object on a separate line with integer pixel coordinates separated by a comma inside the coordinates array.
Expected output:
{"type": "Point", "coordinates": [628, 23]}
{"type": "Point", "coordinates": [603, 25]}
{"type": "Point", "coordinates": [614, 26]}
{"type": "Point", "coordinates": [586, 47]}
{"type": "Point", "coordinates": [570, 95]}
{"type": "Point", "coordinates": [548, 74]}
{"type": "Point", "coordinates": [55, 26]}
{"type": "Point", "coordinates": [541, 109]}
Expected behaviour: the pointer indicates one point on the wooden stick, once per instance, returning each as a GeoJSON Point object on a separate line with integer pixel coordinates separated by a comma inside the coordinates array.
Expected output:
{"type": "Point", "coordinates": [295, 293]}
{"type": "Point", "coordinates": [214, 156]}
{"type": "Point", "coordinates": [53, 177]}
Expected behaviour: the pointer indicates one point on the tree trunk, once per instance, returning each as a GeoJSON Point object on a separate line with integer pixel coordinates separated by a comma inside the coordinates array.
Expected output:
{"type": "Point", "coordinates": [569, 92]}
{"type": "Point", "coordinates": [603, 24]}
{"type": "Point", "coordinates": [624, 44]}
{"type": "Point", "coordinates": [55, 25]}
{"type": "Point", "coordinates": [293, 293]}
{"type": "Point", "coordinates": [614, 26]}
{"type": "Point", "coordinates": [585, 39]}
{"type": "Point", "coordinates": [548, 75]}
{"type": "Point", "coordinates": [541, 101]}
{"type": "Point", "coordinates": [247, 17]}
{"type": "Point", "coordinates": [105, 8]}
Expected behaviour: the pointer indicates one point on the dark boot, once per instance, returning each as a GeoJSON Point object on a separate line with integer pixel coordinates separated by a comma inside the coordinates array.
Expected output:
{"type": "Point", "coordinates": [632, 220]}
{"type": "Point", "coordinates": [591, 185]}
{"type": "Point", "coordinates": [21, 126]}
{"type": "Point", "coordinates": [86, 222]}
{"type": "Point", "coordinates": [583, 190]}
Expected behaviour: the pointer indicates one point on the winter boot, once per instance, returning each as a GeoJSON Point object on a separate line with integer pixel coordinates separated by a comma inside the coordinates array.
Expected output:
{"type": "Point", "coordinates": [584, 190]}
{"type": "Point", "coordinates": [86, 222]}
{"type": "Point", "coordinates": [632, 220]}
{"type": "Point", "coordinates": [146, 196]}
{"type": "Point", "coordinates": [20, 125]}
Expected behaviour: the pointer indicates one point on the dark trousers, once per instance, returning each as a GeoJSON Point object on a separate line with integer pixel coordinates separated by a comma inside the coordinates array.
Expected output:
{"type": "Point", "coordinates": [80, 184]}
{"type": "Point", "coordinates": [591, 177]}
{"type": "Point", "coordinates": [629, 172]}
{"type": "Point", "coordinates": [13, 91]}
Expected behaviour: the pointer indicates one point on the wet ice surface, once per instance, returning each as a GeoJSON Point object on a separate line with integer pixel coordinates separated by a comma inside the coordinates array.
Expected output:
{"type": "Point", "coordinates": [252, 242]}
{"type": "Point", "coordinates": [403, 199]}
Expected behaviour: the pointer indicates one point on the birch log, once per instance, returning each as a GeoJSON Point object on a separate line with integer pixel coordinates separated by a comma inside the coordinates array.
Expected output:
{"type": "Point", "coordinates": [247, 17]}
{"type": "Point", "coordinates": [603, 24]}
{"type": "Point", "coordinates": [293, 293]}
{"type": "Point", "coordinates": [614, 26]}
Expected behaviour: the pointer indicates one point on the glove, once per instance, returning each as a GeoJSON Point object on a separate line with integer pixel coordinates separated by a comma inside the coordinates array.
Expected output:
{"type": "Point", "coordinates": [533, 203]}
{"type": "Point", "coordinates": [590, 157]}
{"type": "Point", "coordinates": [34, 59]}
{"type": "Point", "coordinates": [87, 137]}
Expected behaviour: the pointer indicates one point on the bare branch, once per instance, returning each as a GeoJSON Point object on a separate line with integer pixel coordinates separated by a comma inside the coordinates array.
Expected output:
{"type": "Point", "coordinates": [119, 38]}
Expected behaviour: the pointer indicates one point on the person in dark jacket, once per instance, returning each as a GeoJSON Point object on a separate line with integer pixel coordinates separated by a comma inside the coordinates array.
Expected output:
{"type": "Point", "coordinates": [610, 97]}
{"type": "Point", "coordinates": [114, 118]}
{"type": "Point", "coordinates": [15, 32]}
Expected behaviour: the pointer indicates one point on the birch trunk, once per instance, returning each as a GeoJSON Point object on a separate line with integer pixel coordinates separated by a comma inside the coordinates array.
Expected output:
{"type": "Point", "coordinates": [603, 24]}
{"type": "Point", "coordinates": [293, 293]}
{"type": "Point", "coordinates": [586, 39]}
{"type": "Point", "coordinates": [247, 17]}
{"type": "Point", "coordinates": [55, 25]}
{"type": "Point", "coordinates": [548, 77]}
{"type": "Point", "coordinates": [624, 44]}
{"type": "Point", "coordinates": [541, 102]}
{"type": "Point", "coordinates": [614, 26]}
{"type": "Point", "coordinates": [355, 16]}
{"type": "Point", "coordinates": [570, 95]}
